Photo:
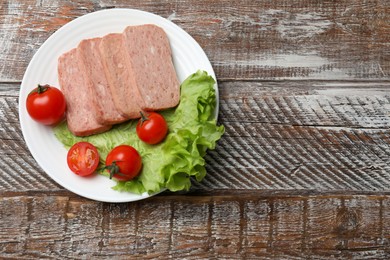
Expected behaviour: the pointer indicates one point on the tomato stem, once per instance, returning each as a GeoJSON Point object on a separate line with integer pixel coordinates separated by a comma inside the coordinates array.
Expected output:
{"type": "Point", "coordinates": [143, 117]}
{"type": "Point", "coordinates": [113, 169]}
{"type": "Point", "coordinates": [42, 88]}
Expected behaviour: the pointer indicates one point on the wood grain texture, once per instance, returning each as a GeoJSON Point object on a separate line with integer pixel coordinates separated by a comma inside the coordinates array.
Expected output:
{"type": "Point", "coordinates": [188, 227]}
{"type": "Point", "coordinates": [302, 171]}
{"type": "Point", "coordinates": [302, 136]}
{"type": "Point", "coordinates": [251, 40]}
{"type": "Point", "coordinates": [279, 136]}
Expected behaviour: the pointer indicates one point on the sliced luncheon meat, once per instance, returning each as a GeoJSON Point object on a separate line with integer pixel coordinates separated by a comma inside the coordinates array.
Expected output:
{"type": "Point", "coordinates": [120, 75]}
{"type": "Point", "coordinates": [111, 79]}
{"type": "Point", "coordinates": [89, 54]}
{"type": "Point", "coordinates": [80, 117]}
{"type": "Point", "coordinates": [150, 58]}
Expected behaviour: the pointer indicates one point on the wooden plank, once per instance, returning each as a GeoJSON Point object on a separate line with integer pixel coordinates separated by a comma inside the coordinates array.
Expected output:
{"type": "Point", "coordinates": [194, 227]}
{"type": "Point", "coordinates": [198, 240]}
{"type": "Point", "coordinates": [13, 229]}
{"type": "Point", "coordinates": [296, 135]}
{"type": "Point", "coordinates": [253, 40]}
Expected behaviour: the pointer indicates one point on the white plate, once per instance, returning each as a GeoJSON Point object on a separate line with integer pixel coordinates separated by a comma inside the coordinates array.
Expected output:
{"type": "Point", "coordinates": [188, 57]}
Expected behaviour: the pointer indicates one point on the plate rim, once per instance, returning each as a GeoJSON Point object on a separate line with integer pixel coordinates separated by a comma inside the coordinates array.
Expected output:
{"type": "Point", "coordinates": [22, 119]}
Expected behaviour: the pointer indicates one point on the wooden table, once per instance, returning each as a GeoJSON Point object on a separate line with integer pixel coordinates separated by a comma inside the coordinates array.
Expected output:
{"type": "Point", "coordinates": [303, 170]}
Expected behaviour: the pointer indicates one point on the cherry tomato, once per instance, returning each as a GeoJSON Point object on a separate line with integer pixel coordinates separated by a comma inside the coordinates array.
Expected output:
{"type": "Point", "coordinates": [123, 162]}
{"type": "Point", "coordinates": [83, 158]}
{"type": "Point", "coordinates": [152, 128]}
{"type": "Point", "coordinates": [46, 105]}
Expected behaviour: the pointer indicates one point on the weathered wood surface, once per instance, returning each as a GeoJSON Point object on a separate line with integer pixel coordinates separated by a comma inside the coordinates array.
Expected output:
{"type": "Point", "coordinates": [303, 170]}
{"type": "Point", "coordinates": [295, 135]}
{"type": "Point", "coordinates": [187, 227]}
{"type": "Point", "coordinates": [243, 40]}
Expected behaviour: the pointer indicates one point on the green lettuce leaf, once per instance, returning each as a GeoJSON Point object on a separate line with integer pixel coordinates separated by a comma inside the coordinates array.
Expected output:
{"type": "Point", "coordinates": [171, 164]}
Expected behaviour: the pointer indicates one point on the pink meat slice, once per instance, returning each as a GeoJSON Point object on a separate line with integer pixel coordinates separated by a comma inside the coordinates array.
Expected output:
{"type": "Point", "coordinates": [80, 117]}
{"type": "Point", "coordinates": [106, 112]}
{"type": "Point", "coordinates": [120, 75]}
{"type": "Point", "coordinates": [150, 59]}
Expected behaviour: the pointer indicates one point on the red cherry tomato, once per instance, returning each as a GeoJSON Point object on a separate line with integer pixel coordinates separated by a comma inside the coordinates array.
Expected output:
{"type": "Point", "coordinates": [46, 105]}
{"type": "Point", "coordinates": [152, 128]}
{"type": "Point", "coordinates": [123, 162]}
{"type": "Point", "coordinates": [83, 158]}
